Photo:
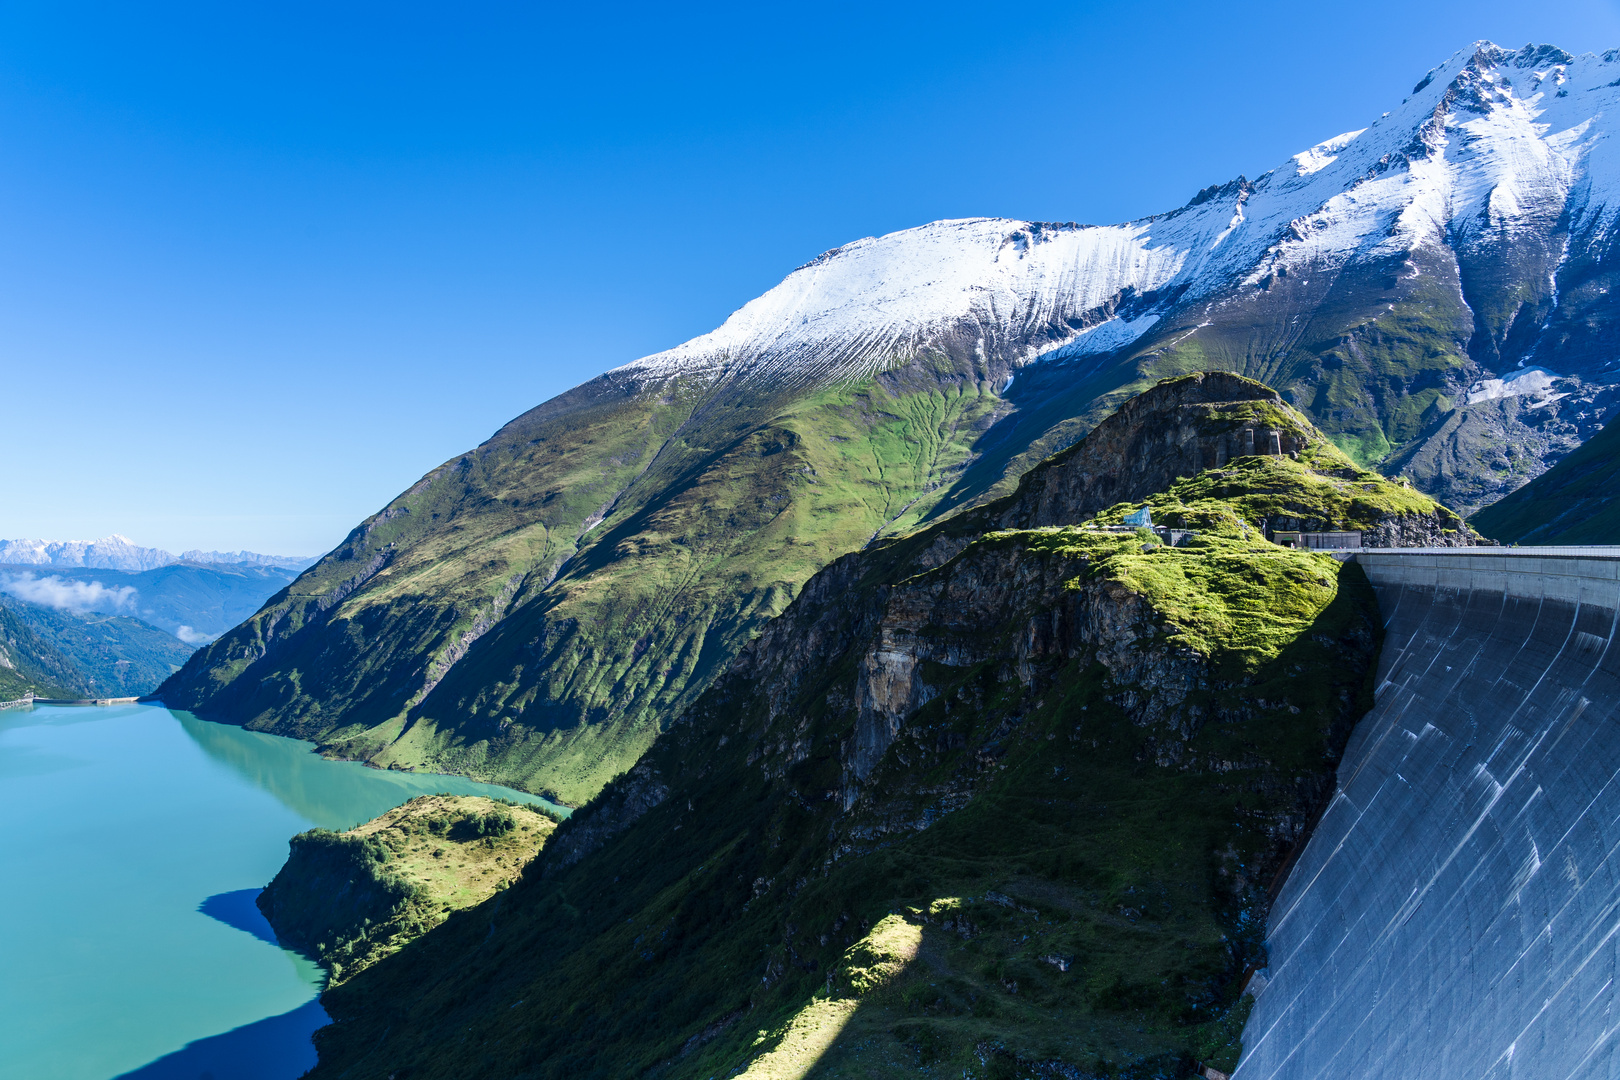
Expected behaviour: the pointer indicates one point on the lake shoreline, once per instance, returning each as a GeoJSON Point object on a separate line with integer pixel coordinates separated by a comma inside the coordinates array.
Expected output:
{"type": "Point", "coordinates": [172, 971]}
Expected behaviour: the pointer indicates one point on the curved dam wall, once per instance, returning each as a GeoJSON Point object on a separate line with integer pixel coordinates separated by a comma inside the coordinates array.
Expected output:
{"type": "Point", "coordinates": [1456, 913]}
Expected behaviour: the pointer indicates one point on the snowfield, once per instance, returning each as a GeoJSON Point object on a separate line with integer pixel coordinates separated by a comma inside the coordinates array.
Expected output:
{"type": "Point", "coordinates": [1490, 142]}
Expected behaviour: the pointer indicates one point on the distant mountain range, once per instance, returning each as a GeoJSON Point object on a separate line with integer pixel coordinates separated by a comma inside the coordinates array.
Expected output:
{"type": "Point", "coordinates": [91, 632]}
{"type": "Point", "coordinates": [1437, 292]}
{"type": "Point", "coordinates": [87, 654]}
{"type": "Point", "coordinates": [194, 602]}
{"type": "Point", "coordinates": [117, 552]}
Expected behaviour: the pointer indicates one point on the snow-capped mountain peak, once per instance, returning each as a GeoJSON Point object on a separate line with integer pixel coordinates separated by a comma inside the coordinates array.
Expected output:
{"type": "Point", "coordinates": [1492, 139]}
{"type": "Point", "coordinates": [118, 552]}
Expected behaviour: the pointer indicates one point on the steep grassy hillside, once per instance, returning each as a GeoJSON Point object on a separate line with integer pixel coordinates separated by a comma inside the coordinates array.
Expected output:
{"type": "Point", "coordinates": [1005, 795]}
{"type": "Point", "coordinates": [530, 612]}
{"type": "Point", "coordinates": [1572, 503]}
{"type": "Point", "coordinates": [352, 898]}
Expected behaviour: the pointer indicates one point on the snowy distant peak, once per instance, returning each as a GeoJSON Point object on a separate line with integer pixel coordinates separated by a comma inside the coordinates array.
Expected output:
{"type": "Point", "coordinates": [249, 558]}
{"type": "Point", "coordinates": [1491, 141]}
{"type": "Point", "coordinates": [874, 302]}
{"type": "Point", "coordinates": [113, 552]}
{"type": "Point", "coordinates": [117, 552]}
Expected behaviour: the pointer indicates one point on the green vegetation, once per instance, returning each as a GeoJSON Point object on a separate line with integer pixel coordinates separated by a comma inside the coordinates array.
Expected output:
{"type": "Point", "coordinates": [62, 654]}
{"type": "Point", "coordinates": [1240, 600]}
{"type": "Point", "coordinates": [1574, 502]}
{"type": "Point", "coordinates": [351, 898]}
{"type": "Point", "coordinates": [1256, 493]}
{"type": "Point", "coordinates": [531, 613]}
{"type": "Point", "coordinates": [106, 655]}
{"type": "Point", "coordinates": [30, 664]}
{"type": "Point", "coordinates": [1061, 860]}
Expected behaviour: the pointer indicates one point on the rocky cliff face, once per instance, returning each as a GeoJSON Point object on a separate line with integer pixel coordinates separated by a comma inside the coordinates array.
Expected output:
{"type": "Point", "coordinates": [1574, 503]}
{"type": "Point", "coordinates": [1063, 766]}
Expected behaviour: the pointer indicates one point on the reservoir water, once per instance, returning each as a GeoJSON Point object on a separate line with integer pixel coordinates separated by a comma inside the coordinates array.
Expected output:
{"type": "Point", "coordinates": [133, 841]}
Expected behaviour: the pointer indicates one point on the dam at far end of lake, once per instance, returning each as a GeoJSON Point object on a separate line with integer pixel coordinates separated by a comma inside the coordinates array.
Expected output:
{"type": "Point", "coordinates": [1456, 913]}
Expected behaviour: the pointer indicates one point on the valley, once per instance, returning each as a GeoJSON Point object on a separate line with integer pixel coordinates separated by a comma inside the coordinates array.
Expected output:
{"type": "Point", "coordinates": [1001, 649]}
{"type": "Point", "coordinates": [88, 631]}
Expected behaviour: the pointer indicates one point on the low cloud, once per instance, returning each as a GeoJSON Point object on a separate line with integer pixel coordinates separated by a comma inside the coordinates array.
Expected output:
{"type": "Point", "coordinates": [64, 595]}
{"type": "Point", "coordinates": [192, 637]}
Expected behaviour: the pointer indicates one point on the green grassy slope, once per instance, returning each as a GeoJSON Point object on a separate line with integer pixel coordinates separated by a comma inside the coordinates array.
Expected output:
{"type": "Point", "coordinates": [531, 612]}
{"type": "Point", "coordinates": [352, 898]}
{"type": "Point", "coordinates": [1574, 502]}
{"type": "Point", "coordinates": [1059, 860]}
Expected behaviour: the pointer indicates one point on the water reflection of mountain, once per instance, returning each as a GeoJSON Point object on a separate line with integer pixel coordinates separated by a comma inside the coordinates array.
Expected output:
{"type": "Point", "coordinates": [331, 794]}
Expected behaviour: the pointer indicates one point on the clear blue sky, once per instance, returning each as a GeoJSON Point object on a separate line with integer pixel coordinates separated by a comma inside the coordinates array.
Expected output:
{"type": "Point", "coordinates": [263, 265]}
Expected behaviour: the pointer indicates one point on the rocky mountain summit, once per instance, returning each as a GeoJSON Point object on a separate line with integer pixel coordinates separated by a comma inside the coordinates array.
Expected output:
{"type": "Point", "coordinates": [1432, 293]}
{"type": "Point", "coordinates": [1008, 792]}
{"type": "Point", "coordinates": [1432, 289]}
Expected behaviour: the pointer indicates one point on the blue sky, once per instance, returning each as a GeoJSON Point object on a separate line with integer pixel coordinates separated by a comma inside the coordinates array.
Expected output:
{"type": "Point", "coordinates": [263, 265]}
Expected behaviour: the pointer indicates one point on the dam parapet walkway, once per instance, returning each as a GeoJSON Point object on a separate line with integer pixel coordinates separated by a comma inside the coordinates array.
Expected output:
{"type": "Point", "coordinates": [1456, 912]}
{"type": "Point", "coordinates": [1585, 574]}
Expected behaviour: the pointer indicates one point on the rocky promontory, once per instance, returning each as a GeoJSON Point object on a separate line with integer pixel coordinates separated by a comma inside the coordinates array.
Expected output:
{"type": "Point", "coordinates": [350, 898]}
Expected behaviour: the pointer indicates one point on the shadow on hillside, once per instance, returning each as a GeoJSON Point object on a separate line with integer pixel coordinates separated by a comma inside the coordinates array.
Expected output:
{"type": "Point", "coordinates": [275, 1048]}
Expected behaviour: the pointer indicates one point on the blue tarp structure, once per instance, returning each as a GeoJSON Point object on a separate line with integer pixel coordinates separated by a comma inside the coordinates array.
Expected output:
{"type": "Point", "coordinates": [1140, 517]}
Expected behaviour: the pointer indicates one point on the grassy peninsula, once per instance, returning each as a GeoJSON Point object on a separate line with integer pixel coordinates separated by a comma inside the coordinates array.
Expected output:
{"type": "Point", "coordinates": [351, 898]}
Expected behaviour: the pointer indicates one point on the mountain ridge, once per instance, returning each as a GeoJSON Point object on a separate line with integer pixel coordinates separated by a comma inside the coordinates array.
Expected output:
{"type": "Point", "coordinates": [536, 610]}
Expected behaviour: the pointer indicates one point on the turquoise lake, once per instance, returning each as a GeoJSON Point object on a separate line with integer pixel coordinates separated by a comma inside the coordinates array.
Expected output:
{"type": "Point", "coordinates": [133, 841]}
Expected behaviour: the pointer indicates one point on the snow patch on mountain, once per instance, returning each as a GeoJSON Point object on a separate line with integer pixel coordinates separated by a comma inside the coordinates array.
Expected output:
{"type": "Point", "coordinates": [860, 308]}
{"type": "Point", "coordinates": [1533, 381]}
{"type": "Point", "coordinates": [113, 552]}
{"type": "Point", "coordinates": [1323, 154]}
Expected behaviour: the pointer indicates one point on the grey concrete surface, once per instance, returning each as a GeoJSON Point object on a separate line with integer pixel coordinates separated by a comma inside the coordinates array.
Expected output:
{"type": "Point", "coordinates": [1457, 911]}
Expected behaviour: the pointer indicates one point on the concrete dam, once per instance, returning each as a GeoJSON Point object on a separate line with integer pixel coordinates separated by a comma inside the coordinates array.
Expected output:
{"type": "Point", "coordinates": [1456, 913]}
